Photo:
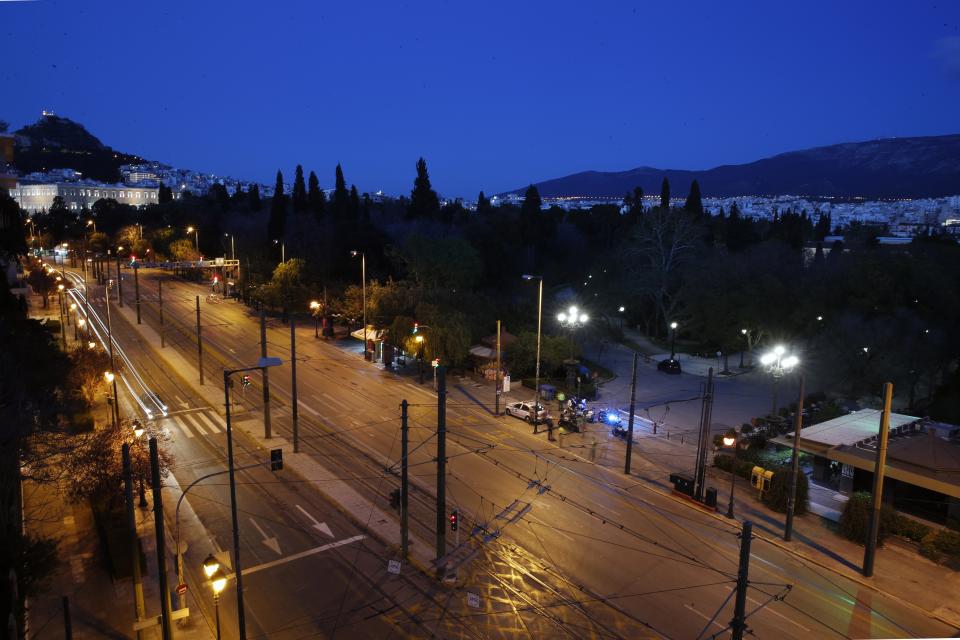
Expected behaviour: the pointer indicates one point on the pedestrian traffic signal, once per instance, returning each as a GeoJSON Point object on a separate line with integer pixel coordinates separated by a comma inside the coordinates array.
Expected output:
{"type": "Point", "coordinates": [454, 520]}
{"type": "Point", "coordinates": [276, 459]}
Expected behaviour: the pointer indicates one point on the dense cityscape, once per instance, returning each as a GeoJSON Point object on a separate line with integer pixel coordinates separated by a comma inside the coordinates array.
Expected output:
{"type": "Point", "coordinates": [361, 368]}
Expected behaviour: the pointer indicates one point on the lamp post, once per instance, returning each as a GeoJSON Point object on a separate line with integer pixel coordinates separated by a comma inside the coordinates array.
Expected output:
{"type": "Point", "coordinates": [116, 399]}
{"type": "Point", "coordinates": [262, 364]}
{"type": "Point", "coordinates": [536, 396]}
{"type": "Point", "coordinates": [732, 441]}
{"type": "Point", "coordinates": [233, 248]}
{"type": "Point", "coordinates": [572, 319]}
{"type": "Point", "coordinates": [777, 364]}
{"type": "Point", "coordinates": [743, 332]}
{"type": "Point", "coordinates": [673, 340]}
{"type": "Point", "coordinates": [363, 278]}
{"type": "Point", "coordinates": [419, 340]}
{"type": "Point", "coordinates": [211, 568]}
{"type": "Point", "coordinates": [196, 237]}
{"type": "Point", "coordinates": [315, 310]}
{"type": "Point", "coordinates": [283, 250]}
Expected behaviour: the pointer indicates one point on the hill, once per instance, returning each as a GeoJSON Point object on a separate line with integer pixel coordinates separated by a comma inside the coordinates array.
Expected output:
{"type": "Point", "coordinates": [54, 142]}
{"type": "Point", "coordinates": [889, 168]}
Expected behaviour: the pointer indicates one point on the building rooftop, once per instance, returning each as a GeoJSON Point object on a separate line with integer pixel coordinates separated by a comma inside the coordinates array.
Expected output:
{"type": "Point", "coordinates": [849, 429]}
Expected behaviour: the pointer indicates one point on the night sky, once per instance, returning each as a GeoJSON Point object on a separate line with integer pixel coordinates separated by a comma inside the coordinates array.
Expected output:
{"type": "Point", "coordinates": [494, 95]}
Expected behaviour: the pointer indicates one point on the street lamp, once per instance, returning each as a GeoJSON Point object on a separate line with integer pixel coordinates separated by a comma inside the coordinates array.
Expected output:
{"type": "Point", "coordinates": [315, 310]}
{"type": "Point", "coordinates": [233, 248]}
{"type": "Point", "coordinates": [734, 442]}
{"type": "Point", "coordinates": [363, 278]}
{"type": "Point", "coordinates": [211, 568]}
{"type": "Point", "coordinates": [673, 340]}
{"type": "Point", "coordinates": [744, 333]}
{"type": "Point", "coordinates": [93, 224]}
{"type": "Point", "coordinates": [196, 237]}
{"type": "Point", "coordinates": [777, 364]}
{"type": "Point", "coordinates": [283, 250]}
{"type": "Point", "coordinates": [572, 319]}
{"type": "Point", "coordinates": [419, 340]}
{"type": "Point", "coordinates": [262, 364]}
{"type": "Point", "coordinates": [536, 396]}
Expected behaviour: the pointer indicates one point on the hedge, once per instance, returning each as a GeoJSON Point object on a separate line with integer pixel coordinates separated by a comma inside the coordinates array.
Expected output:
{"type": "Point", "coordinates": [776, 496]}
{"type": "Point", "coordinates": [855, 519]}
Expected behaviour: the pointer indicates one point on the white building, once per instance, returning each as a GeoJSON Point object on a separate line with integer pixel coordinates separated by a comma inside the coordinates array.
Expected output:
{"type": "Point", "coordinates": [78, 195]}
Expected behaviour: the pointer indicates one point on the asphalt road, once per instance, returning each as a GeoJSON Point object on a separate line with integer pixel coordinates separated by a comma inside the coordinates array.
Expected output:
{"type": "Point", "coordinates": [643, 560]}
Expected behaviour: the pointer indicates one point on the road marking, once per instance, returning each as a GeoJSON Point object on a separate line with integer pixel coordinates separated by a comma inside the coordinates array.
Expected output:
{"type": "Point", "coordinates": [777, 613]}
{"type": "Point", "coordinates": [319, 526]}
{"type": "Point", "coordinates": [183, 427]}
{"type": "Point", "coordinates": [210, 423]}
{"type": "Point", "coordinates": [188, 418]}
{"type": "Point", "coordinates": [302, 554]}
{"type": "Point", "coordinates": [270, 541]}
{"type": "Point", "coordinates": [712, 621]}
{"type": "Point", "coordinates": [334, 401]}
{"type": "Point", "coordinates": [304, 405]}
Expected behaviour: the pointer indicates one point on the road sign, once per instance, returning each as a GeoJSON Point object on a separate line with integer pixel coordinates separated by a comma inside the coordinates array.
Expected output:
{"type": "Point", "coordinates": [181, 589]}
{"type": "Point", "coordinates": [393, 566]}
{"type": "Point", "coordinates": [473, 600]}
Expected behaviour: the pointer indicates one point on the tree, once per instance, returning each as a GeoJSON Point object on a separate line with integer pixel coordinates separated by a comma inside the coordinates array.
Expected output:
{"type": "Point", "coordinates": [423, 199]}
{"type": "Point", "coordinates": [694, 203]}
{"type": "Point", "coordinates": [483, 204]}
{"type": "Point", "coordinates": [42, 283]}
{"type": "Point", "coordinates": [441, 263]}
{"type": "Point", "coordinates": [278, 211]}
{"type": "Point", "coordinates": [341, 197]}
{"type": "Point", "coordinates": [299, 191]}
{"type": "Point", "coordinates": [183, 250]}
{"type": "Point", "coordinates": [237, 192]}
{"type": "Point", "coordinates": [316, 198]}
{"type": "Point", "coordinates": [253, 197]}
{"type": "Point", "coordinates": [776, 496]}
{"type": "Point", "coordinates": [665, 194]}
{"type": "Point", "coordinates": [530, 216]}
{"type": "Point", "coordinates": [164, 194]}
{"type": "Point", "coordinates": [855, 519]}
{"type": "Point", "coordinates": [634, 202]}
{"type": "Point", "coordinates": [354, 203]}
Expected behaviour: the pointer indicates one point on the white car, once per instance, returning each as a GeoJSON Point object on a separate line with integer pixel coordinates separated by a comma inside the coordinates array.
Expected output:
{"type": "Point", "coordinates": [524, 411]}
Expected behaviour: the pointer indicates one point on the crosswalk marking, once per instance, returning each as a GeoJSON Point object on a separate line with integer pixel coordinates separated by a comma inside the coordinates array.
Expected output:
{"type": "Point", "coordinates": [206, 419]}
{"type": "Point", "coordinates": [183, 427]}
{"type": "Point", "coordinates": [192, 419]}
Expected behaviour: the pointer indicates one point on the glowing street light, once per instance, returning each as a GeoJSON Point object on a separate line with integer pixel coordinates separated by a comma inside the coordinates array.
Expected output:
{"type": "Point", "coordinates": [315, 310]}
{"type": "Point", "coordinates": [731, 441]}
{"type": "Point", "coordinates": [108, 376]}
{"type": "Point", "coordinates": [778, 363]}
{"type": "Point", "coordinates": [673, 340]}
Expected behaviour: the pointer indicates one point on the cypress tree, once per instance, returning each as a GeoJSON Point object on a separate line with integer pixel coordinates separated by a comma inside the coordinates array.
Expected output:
{"type": "Point", "coordinates": [665, 194]}
{"type": "Point", "coordinates": [354, 203]}
{"type": "Point", "coordinates": [299, 191]}
{"type": "Point", "coordinates": [237, 192]}
{"type": "Point", "coordinates": [341, 197]}
{"type": "Point", "coordinates": [694, 203]}
{"type": "Point", "coordinates": [424, 202]}
{"type": "Point", "coordinates": [254, 197]}
{"type": "Point", "coordinates": [316, 199]}
{"type": "Point", "coordinates": [278, 211]}
{"type": "Point", "coordinates": [530, 215]}
{"type": "Point", "coordinates": [165, 194]}
{"type": "Point", "coordinates": [483, 203]}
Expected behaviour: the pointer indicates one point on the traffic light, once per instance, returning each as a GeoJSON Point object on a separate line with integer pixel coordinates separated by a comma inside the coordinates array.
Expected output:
{"type": "Point", "coordinates": [416, 327]}
{"type": "Point", "coordinates": [276, 459]}
{"type": "Point", "coordinates": [454, 519]}
{"type": "Point", "coordinates": [245, 380]}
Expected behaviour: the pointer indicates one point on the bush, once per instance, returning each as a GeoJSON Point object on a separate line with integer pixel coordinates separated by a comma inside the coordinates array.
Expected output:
{"type": "Point", "coordinates": [724, 462]}
{"type": "Point", "coordinates": [776, 496]}
{"type": "Point", "coordinates": [855, 519]}
{"type": "Point", "coordinates": [910, 528]}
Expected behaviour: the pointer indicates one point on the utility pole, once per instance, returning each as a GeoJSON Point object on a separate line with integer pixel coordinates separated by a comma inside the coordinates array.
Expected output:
{"type": "Point", "coordinates": [739, 623]}
{"type": "Point", "coordinates": [199, 343]}
{"type": "Point", "coordinates": [704, 435]}
{"type": "Point", "coordinates": [163, 330]}
{"type": "Point", "coordinates": [138, 604]}
{"type": "Point", "coordinates": [633, 398]}
{"type": "Point", "coordinates": [161, 541]}
{"type": "Point", "coordinates": [441, 464]}
{"type": "Point", "coordinates": [293, 371]}
{"type": "Point", "coordinates": [136, 289]}
{"type": "Point", "coordinates": [67, 624]}
{"type": "Point", "coordinates": [119, 283]}
{"type": "Point", "coordinates": [241, 616]}
{"type": "Point", "coordinates": [267, 433]}
{"type": "Point", "coordinates": [870, 550]}
{"type": "Point", "coordinates": [404, 480]}
{"type": "Point", "coordinates": [794, 467]}
{"type": "Point", "coordinates": [496, 377]}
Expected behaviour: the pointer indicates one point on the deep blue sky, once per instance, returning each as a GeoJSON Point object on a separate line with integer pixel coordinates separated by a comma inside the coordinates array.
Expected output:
{"type": "Point", "coordinates": [494, 95]}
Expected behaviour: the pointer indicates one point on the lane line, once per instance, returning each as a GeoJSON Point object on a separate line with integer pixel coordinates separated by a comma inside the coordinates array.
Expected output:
{"type": "Point", "coordinates": [687, 606]}
{"type": "Point", "coordinates": [304, 405]}
{"type": "Point", "coordinates": [339, 403]}
{"type": "Point", "coordinates": [297, 556]}
{"type": "Point", "coordinates": [777, 613]}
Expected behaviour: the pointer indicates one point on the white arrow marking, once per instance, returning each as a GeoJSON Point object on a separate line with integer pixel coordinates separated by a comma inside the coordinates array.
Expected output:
{"type": "Point", "coordinates": [319, 526]}
{"type": "Point", "coordinates": [271, 542]}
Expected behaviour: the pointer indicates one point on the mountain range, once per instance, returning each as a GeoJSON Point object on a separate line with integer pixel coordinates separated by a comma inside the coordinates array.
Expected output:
{"type": "Point", "coordinates": [920, 167]}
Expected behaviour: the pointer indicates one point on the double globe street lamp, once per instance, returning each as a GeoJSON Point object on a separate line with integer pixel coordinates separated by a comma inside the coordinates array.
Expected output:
{"type": "Point", "coordinates": [218, 581]}
{"type": "Point", "coordinates": [571, 320]}
{"type": "Point", "coordinates": [777, 364]}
